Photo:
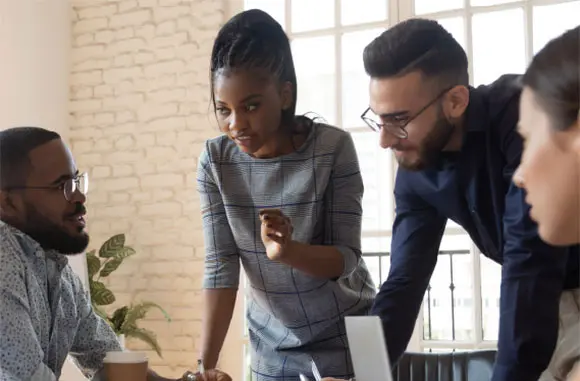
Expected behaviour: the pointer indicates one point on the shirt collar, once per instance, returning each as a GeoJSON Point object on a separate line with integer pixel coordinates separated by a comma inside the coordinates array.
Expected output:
{"type": "Point", "coordinates": [476, 114]}
{"type": "Point", "coordinates": [32, 247]}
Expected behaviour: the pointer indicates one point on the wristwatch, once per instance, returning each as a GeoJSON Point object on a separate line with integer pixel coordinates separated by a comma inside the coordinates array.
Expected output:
{"type": "Point", "coordinates": [190, 376]}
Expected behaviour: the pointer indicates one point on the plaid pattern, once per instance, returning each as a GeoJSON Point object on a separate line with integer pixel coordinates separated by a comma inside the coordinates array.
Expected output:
{"type": "Point", "coordinates": [292, 316]}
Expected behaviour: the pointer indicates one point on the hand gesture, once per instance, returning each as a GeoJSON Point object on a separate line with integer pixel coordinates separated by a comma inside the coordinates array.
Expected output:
{"type": "Point", "coordinates": [276, 232]}
{"type": "Point", "coordinates": [213, 375]}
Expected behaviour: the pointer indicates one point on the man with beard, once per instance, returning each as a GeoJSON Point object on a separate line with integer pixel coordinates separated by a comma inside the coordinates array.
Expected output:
{"type": "Point", "coordinates": [45, 314]}
{"type": "Point", "coordinates": [457, 148]}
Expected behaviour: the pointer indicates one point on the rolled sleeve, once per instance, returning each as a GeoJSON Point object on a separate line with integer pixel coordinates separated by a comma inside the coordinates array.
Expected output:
{"type": "Point", "coordinates": [344, 206]}
{"type": "Point", "coordinates": [222, 261]}
{"type": "Point", "coordinates": [21, 354]}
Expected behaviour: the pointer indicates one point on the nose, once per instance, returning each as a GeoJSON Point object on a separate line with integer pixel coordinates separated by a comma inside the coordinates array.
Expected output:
{"type": "Point", "coordinates": [78, 197]}
{"type": "Point", "coordinates": [518, 178]}
{"type": "Point", "coordinates": [386, 139]}
{"type": "Point", "coordinates": [236, 125]}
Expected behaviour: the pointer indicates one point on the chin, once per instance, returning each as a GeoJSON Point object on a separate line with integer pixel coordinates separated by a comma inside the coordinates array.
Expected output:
{"type": "Point", "coordinates": [558, 236]}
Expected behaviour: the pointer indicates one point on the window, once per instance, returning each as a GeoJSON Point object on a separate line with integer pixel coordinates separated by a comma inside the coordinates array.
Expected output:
{"type": "Point", "coordinates": [461, 307]}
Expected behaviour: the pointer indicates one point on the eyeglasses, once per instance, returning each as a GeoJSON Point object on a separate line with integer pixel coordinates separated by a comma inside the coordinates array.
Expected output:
{"type": "Point", "coordinates": [78, 183]}
{"type": "Point", "coordinates": [397, 128]}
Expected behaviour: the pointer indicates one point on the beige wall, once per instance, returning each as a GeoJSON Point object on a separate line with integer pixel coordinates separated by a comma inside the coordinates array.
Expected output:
{"type": "Point", "coordinates": [34, 69]}
{"type": "Point", "coordinates": [138, 119]}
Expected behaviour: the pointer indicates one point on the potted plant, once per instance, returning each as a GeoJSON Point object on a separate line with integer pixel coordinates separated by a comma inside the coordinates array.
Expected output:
{"type": "Point", "coordinates": [124, 319]}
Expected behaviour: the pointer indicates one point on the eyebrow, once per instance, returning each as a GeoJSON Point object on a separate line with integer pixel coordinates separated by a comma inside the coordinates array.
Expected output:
{"type": "Point", "coordinates": [65, 177]}
{"type": "Point", "coordinates": [248, 98]}
{"type": "Point", "coordinates": [393, 114]}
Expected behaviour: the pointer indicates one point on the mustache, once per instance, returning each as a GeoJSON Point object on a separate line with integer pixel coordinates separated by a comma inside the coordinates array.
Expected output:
{"type": "Point", "coordinates": [79, 209]}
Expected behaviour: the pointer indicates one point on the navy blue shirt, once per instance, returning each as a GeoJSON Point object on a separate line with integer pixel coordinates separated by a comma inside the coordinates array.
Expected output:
{"type": "Point", "coordinates": [474, 188]}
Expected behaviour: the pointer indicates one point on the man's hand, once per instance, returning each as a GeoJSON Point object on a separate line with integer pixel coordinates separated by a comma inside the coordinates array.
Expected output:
{"type": "Point", "coordinates": [213, 375]}
{"type": "Point", "coordinates": [276, 232]}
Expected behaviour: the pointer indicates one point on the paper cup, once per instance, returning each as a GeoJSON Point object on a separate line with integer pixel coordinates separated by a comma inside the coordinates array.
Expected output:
{"type": "Point", "coordinates": [126, 366]}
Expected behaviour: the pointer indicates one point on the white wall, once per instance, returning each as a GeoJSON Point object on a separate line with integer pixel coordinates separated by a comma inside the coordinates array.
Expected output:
{"type": "Point", "coordinates": [34, 70]}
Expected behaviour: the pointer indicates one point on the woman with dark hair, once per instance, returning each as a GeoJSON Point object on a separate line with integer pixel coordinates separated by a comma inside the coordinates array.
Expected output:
{"type": "Point", "coordinates": [550, 170]}
{"type": "Point", "coordinates": [281, 194]}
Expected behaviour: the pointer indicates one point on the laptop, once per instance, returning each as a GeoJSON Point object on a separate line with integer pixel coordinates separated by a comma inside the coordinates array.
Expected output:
{"type": "Point", "coordinates": [368, 349]}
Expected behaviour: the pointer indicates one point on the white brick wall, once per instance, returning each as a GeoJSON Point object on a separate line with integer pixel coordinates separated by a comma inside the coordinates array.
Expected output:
{"type": "Point", "coordinates": [139, 116]}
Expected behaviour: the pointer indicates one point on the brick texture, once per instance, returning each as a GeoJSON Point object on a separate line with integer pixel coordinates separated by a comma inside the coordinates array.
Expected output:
{"type": "Point", "coordinates": [138, 119]}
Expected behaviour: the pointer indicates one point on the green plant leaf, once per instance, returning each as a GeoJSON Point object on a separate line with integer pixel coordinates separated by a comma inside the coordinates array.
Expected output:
{"type": "Point", "coordinates": [102, 314]}
{"type": "Point", "coordinates": [139, 311]}
{"type": "Point", "coordinates": [101, 295]}
{"type": "Point", "coordinates": [110, 266]}
{"type": "Point", "coordinates": [112, 246]}
{"type": "Point", "coordinates": [93, 264]}
{"type": "Point", "coordinates": [125, 252]}
{"type": "Point", "coordinates": [146, 336]}
{"type": "Point", "coordinates": [119, 317]}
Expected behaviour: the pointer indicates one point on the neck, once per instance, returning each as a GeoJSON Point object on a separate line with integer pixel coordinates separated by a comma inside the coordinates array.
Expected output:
{"type": "Point", "coordinates": [456, 141]}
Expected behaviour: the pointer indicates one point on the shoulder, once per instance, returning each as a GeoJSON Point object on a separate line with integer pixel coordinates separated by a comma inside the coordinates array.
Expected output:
{"type": "Point", "coordinates": [11, 252]}
{"type": "Point", "coordinates": [217, 149]}
{"type": "Point", "coordinates": [331, 140]}
{"type": "Point", "coordinates": [331, 135]}
{"type": "Point", "coordinates": [502, 100]}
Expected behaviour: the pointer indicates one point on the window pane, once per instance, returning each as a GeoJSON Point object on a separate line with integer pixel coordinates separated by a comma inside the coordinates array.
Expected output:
{"type": "Point", "coordinates": [477, 3]}
{"type": "Point", "coordinates": [315, 70]}
{"type": "Point", "coordinates": [312, 15]}
{"type": "Point", "coordinates": [431, 6]}
{"type": "Point", "coordinates": [376, 244]}
{"type": "Point", "coordinates": [490, 292]}
{"type": "Point", "coordinates": [455, 242]}
{"type": "Point", "coordinates": [455, 26]}
{"type": "Point", "coordinates": [355, 82]}
{"type": "Point", "coordinates": [377, 173]}
{"type": "Point", "coordinates": [448, 303]}
{"type": "Point", "coordinates": [545, 28]}
{"type": "Point", "coordinates": [373, 265]}
{"type": "Point", "coordinates": [491, 42]}
{"type": "Point", "coordinates": [358, 12]}
{"type": "Point", "coordinates": [274, 8]}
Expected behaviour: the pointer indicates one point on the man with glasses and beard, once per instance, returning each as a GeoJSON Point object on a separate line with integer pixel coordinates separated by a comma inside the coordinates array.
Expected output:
{"type": "Point", "coordinates": [457, 149]}
{"type": "Point", "coordinates": [45, 313]}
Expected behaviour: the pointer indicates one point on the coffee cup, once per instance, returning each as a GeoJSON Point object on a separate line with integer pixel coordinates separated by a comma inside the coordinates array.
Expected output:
{"type": "Point", "coordinates": [126, 366]}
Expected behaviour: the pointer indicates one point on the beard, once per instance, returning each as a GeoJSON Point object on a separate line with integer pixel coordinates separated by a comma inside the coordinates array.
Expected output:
{"type": "Point", "coordinates": [432, 146]}
{"type": "Point", "coordinates": [51, 236]}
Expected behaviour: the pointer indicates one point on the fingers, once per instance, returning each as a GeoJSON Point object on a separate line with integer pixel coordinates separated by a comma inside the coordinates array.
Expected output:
{"type": "Point", "coordinates": [213, 375]}
{"type": "Point", "coordinates": [276, 226]}
{"type": "Point", "coordinates": [270, 212]}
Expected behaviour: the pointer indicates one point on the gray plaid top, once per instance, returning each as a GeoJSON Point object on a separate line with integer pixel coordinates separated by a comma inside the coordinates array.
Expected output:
{"type": "Point", "coordinates": [292, 317]}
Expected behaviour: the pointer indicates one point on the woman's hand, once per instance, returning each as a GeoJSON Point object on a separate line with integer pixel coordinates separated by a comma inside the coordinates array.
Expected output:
{"type": "Point", "coordinates": [213, 375]}
{"type": "Point", "coordinates": [276, 233]}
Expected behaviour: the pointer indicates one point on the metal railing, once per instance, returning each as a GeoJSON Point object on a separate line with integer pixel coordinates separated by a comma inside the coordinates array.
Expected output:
{"type": "Point", "coordinates": [447, 255]}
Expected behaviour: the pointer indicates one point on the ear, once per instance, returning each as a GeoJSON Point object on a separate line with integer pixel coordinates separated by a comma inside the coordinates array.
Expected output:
{"type": "Point", "coordinates": [286, 95]}
{"type": "Point", "coordinates": [456, 102]}
{"type": "Point", "coordinates": [10, 205]}
{"type": "Point", "coordinates": [576, 136]}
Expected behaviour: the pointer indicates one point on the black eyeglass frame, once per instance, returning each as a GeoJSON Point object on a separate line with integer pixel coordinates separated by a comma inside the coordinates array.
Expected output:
{"type": "Point", "coordinates": [399, 129]}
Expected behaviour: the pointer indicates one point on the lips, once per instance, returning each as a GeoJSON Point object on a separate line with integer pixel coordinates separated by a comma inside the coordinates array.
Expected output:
{"type": "Point", "coordinates": [243, 140]}
{"type": "Point", "coordinates": [78, 220]}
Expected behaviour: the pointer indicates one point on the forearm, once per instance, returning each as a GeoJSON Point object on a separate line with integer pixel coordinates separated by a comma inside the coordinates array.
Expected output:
{"type": "Point", "coordinates": [219, 308]}
{"type": "Point", "coordinates": [316, 260]}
